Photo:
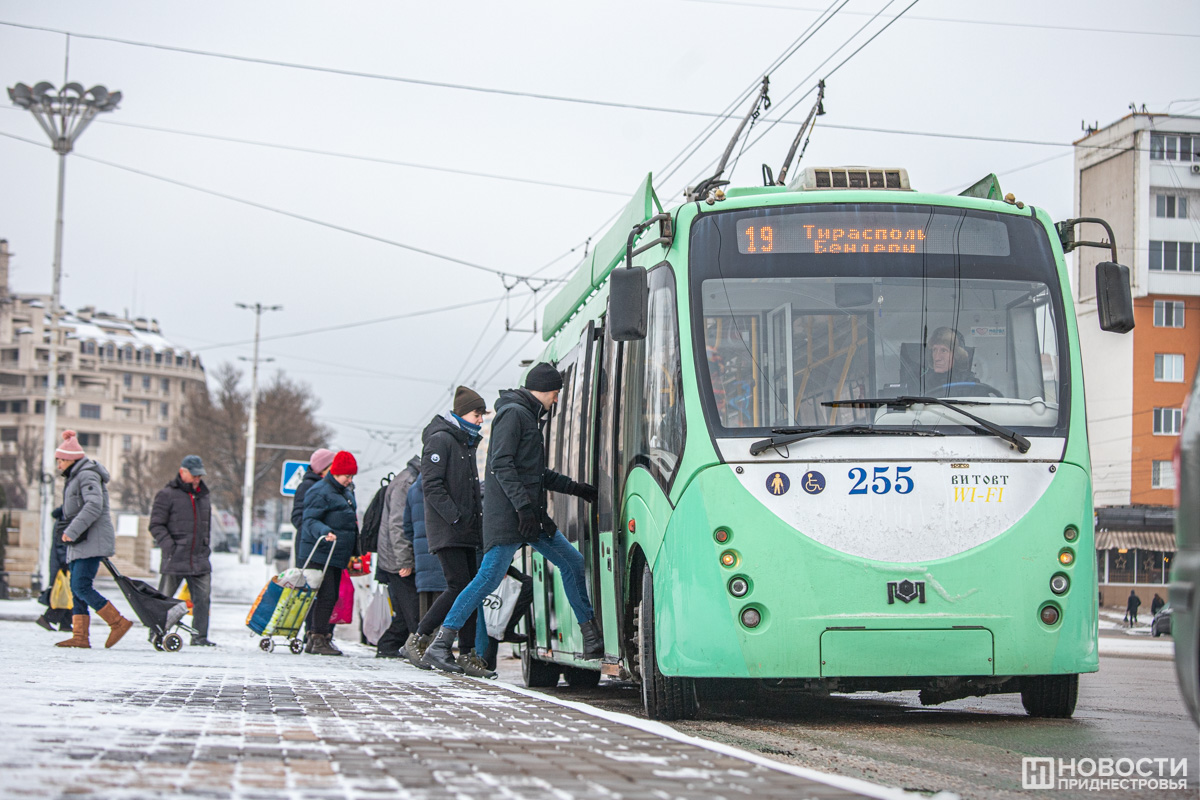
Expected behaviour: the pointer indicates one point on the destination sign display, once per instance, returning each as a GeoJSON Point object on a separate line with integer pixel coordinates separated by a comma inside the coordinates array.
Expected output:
{"type": "Point", "coordinates": [872, 232]}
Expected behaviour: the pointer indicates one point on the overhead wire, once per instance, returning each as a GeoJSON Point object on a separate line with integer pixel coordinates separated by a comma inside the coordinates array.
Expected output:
{"type": "Point", "coordinates": [285, 213]}
{"type": "Point", "coordinates": [988, 23]}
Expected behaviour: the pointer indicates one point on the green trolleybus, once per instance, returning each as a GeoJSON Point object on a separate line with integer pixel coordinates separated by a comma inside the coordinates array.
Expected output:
{"type": "Point", "coordinates": [838, 434]}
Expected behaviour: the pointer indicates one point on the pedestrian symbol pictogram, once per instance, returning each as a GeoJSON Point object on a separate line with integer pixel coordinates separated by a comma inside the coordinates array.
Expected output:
{"type": "Point", "coordinates": [291, 476]}
{"type": "Point", "coordinates": [778, 483]}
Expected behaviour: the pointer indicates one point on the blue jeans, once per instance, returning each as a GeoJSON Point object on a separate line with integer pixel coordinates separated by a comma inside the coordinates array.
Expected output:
{"type": "Point", "coordinates": [83, 572]}
{"type": "Point", "coordinates": [556, 549]}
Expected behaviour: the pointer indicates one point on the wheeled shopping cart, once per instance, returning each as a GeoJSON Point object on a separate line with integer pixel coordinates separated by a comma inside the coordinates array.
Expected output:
{"type": "Point", "coordinates": [281, 609]}
{"type": "Point", "coordinates": [158, 612]}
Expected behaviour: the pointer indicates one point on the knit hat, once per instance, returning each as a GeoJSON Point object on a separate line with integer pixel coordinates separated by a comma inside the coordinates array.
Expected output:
{"type": "Point", "coordinates": [467, 400]}
{"type": "Point", "coordinates": [320, 459]}
{"type": "Point", "coordinates": [69, 450]}
{"type": "Point", "coordinates": [543, 378]}
{"type": "Point", "coordinates": [343, 464]}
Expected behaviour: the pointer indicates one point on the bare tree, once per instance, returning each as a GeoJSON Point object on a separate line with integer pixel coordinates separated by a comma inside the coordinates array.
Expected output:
{"type": "Point", "coordinates": [213, 426]}
{"type": "Point", "coordinates": [141, 478]}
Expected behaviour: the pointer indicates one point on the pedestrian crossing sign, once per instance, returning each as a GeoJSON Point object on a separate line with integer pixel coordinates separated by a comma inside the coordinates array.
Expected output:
{"type": "Point", "coordinates": [290, 477]}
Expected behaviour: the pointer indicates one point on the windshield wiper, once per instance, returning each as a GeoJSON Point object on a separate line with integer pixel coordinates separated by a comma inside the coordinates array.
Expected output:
{"type": "Point", "coordinates": [1007, 434]}
{"type": "Point", "coordinates": [799, 434]}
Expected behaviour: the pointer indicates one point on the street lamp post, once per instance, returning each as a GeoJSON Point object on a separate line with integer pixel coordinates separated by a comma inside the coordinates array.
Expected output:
{"type": "Point", "coordinates": [63, 115]}
{"type": "Point", "coordinates": [251, 434]}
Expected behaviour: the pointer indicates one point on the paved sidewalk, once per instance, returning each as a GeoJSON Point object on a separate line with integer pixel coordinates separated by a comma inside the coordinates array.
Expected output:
{"type": "Point", "coordinates": [236, 722]}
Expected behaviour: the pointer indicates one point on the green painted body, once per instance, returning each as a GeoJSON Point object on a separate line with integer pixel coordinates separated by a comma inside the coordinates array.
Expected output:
{"type": "Point", "coordinates": [822, 616]}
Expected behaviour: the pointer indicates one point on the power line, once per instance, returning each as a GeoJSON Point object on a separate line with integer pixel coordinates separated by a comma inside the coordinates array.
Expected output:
{"type": "Point", "coordinates": [359, 74]}
{"type": "Point", "coordinates": [290, 214]}
{"type": "Point", "coordinates": [988, 23]}
{"type": "Point", "coordinates": [356, 157]}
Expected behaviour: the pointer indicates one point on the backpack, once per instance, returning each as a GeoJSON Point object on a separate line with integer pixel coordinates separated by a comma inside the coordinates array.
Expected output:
{"type": "Point", "coordinates": [368, 534]}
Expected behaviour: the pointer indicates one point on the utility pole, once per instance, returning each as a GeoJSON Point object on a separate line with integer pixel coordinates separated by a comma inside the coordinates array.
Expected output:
{"type": "Point", "coordinates": [63, 115]}
{"type": "Point", "coordinates": [251, 434]}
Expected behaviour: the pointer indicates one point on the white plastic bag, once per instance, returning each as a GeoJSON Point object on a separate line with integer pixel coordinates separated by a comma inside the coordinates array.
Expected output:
{"type": "Point", "coordinates": [498, 606]}
{"type": "Point", "coordinates": [377, 616]}
{"type": "Point", "coordinates": [291, 578]}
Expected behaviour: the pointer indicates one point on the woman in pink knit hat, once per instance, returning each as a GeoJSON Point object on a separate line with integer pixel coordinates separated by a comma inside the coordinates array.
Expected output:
{"type": "Point", "coordinates": [90, 538]}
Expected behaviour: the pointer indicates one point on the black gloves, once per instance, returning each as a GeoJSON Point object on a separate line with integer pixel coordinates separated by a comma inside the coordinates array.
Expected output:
{"type": "Point", "coordinates": [531, 527]}
{"type": "Point", "coordinates": [583, 490]}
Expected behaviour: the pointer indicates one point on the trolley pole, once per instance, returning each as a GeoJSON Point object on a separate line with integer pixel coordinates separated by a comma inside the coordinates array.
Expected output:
{"type": "Point", "coordinates": [251, 435]}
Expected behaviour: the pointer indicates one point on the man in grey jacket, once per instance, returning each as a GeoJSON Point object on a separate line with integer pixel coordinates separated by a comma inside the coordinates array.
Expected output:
{"type": "Point", "coordinates": [180, 522]}
{"type": "Point", "coordinates": [395, 563]}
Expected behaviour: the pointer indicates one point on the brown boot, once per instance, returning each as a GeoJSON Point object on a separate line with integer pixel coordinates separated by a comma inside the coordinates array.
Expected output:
{"type": "Point", "coordinates": [79, 632]}
{"type": "Point", "coordinates": [118, 626]}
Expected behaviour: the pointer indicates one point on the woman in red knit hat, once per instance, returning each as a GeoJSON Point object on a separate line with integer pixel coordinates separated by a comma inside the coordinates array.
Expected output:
{"type": "Point", "coordinates": [90, 538]}
{"type": "Point", "coordinates": [330, 525]}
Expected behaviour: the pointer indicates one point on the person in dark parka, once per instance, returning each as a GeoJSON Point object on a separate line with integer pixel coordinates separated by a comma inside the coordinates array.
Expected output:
{"type": "Point", "coordinates": [453, 512]}
{"type": "Point", "coordinates": [1132, 606]}
{"type": "Point", "coordinates": [329, 530]}
{"type": "Point", "coordinates": [428, 573]}
{"type": "Point", "coordinates": [318, 467]}
{"type": "Point", "coordinates": [180, 521]}
{"type": "Point", "coordinates": [515, 486]}
{"type": "Point", "coordinates": [58, 563]}
{"type": "Point", "coordinates": [394, 565]}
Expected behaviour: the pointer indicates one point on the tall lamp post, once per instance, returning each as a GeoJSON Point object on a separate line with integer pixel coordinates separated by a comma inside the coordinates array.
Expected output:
{"type": "Point", "coordinates": [251, 434]}
{"type": "Point", "coordinates": [63, 115]}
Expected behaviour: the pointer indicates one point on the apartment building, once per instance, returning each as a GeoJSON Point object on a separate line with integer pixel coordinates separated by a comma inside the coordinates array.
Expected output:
{"type": "Point", "coordinates": [122, 385]}
{"type": "Point", "coordinates": [1142, 175]}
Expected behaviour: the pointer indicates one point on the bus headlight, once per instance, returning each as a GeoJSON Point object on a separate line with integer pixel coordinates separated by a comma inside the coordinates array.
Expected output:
{"type": "Point", "coordinates": [1071, 533]}
{"type": "Point", "coordinates": [1066, 557]}
{"type": "Point", "coordinates": [721, 535]}
{"type": "Point", "coordinates": [738, 587]}
{"type": "Point", "coordinates": [1049, 614]}
{"type": "Point", "coordinates": [751, 618]}
{"type": "Point", "coordinates": [729, 558]}
{"type": "Point", "coordinates": [1060, 583]}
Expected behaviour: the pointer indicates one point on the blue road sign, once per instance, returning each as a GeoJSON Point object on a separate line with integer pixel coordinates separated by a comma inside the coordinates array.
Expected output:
{"type": "Point", "coordinates": [290, 477]}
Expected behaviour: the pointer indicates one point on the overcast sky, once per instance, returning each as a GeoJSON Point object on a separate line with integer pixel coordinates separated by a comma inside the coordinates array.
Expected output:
{"type": "Point", "coordinates": [497, 178]}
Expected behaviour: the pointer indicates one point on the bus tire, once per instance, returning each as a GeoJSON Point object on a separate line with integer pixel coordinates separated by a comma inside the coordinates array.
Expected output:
{"type": "Point", "coordinates": [580, 678]}
{"type": "Point", "coordinates": [536, 673]}
{"type": "Point", "coordinates": [663, 697]}
{"type": "Point", "coordinates": [1050, 696]}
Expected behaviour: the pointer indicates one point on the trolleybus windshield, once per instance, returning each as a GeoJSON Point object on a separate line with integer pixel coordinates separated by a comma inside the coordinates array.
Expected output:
{"type": "Point", "coordinates": [801, 306]}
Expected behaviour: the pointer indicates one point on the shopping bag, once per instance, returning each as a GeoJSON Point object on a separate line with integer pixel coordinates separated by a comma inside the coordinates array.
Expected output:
{"type": "Point", "coordinates": [264, 607]}
{"type": "Point", "coordinates": [377, 616]}
{"type": "Point", "coordinates": [60, 593]}
{"type": "Point", "coordinates": [498, 606]}
{"type": "Point", "coordinates": [343, 609]}
{"type": "Point", "coordinates": [185, 594]}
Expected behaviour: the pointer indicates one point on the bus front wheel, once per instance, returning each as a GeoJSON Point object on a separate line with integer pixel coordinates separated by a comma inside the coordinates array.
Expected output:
{"type": "Point", "coordinates": [663, 697]}
{"type": "Point", "coordinates": [1050, 695]}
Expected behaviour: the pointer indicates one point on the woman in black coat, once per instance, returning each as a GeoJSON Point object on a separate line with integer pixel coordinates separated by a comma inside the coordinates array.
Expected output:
{"type": "Point", "coordinates": [453, 514]}
{"type": "Point", "coordinates": [329, 532]}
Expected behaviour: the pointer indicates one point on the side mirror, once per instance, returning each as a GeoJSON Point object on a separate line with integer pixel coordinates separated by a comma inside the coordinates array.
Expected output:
{"type": "Point", "coordinates": [628, 304]}
{"type": "Point", "coordinates": [1114, 298]}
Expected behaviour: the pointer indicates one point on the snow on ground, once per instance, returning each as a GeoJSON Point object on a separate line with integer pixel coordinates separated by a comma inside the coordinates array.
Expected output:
{"type": "Point", "coordinates": [1162, 648]}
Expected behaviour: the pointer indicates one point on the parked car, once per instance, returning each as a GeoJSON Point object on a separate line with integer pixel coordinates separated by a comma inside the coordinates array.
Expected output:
{"type": "Point", "coordinates": [1162, 622]}
{"type": "Point", "coordinates": [1185, 575]}
{"type": "Point", "coordinates": [285, 544]}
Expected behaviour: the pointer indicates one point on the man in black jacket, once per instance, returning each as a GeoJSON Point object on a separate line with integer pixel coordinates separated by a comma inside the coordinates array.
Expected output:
{"type": "Point", "coordinates": [180, 523]}
{"type": "Point", "coordinates": [514, 514]}
{"type": "Point", "coordinates": [453, 516]}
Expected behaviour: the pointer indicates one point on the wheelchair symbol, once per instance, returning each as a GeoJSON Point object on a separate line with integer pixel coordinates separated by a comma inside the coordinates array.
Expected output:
{"type": "Point", "coordinates": [813, 482]}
